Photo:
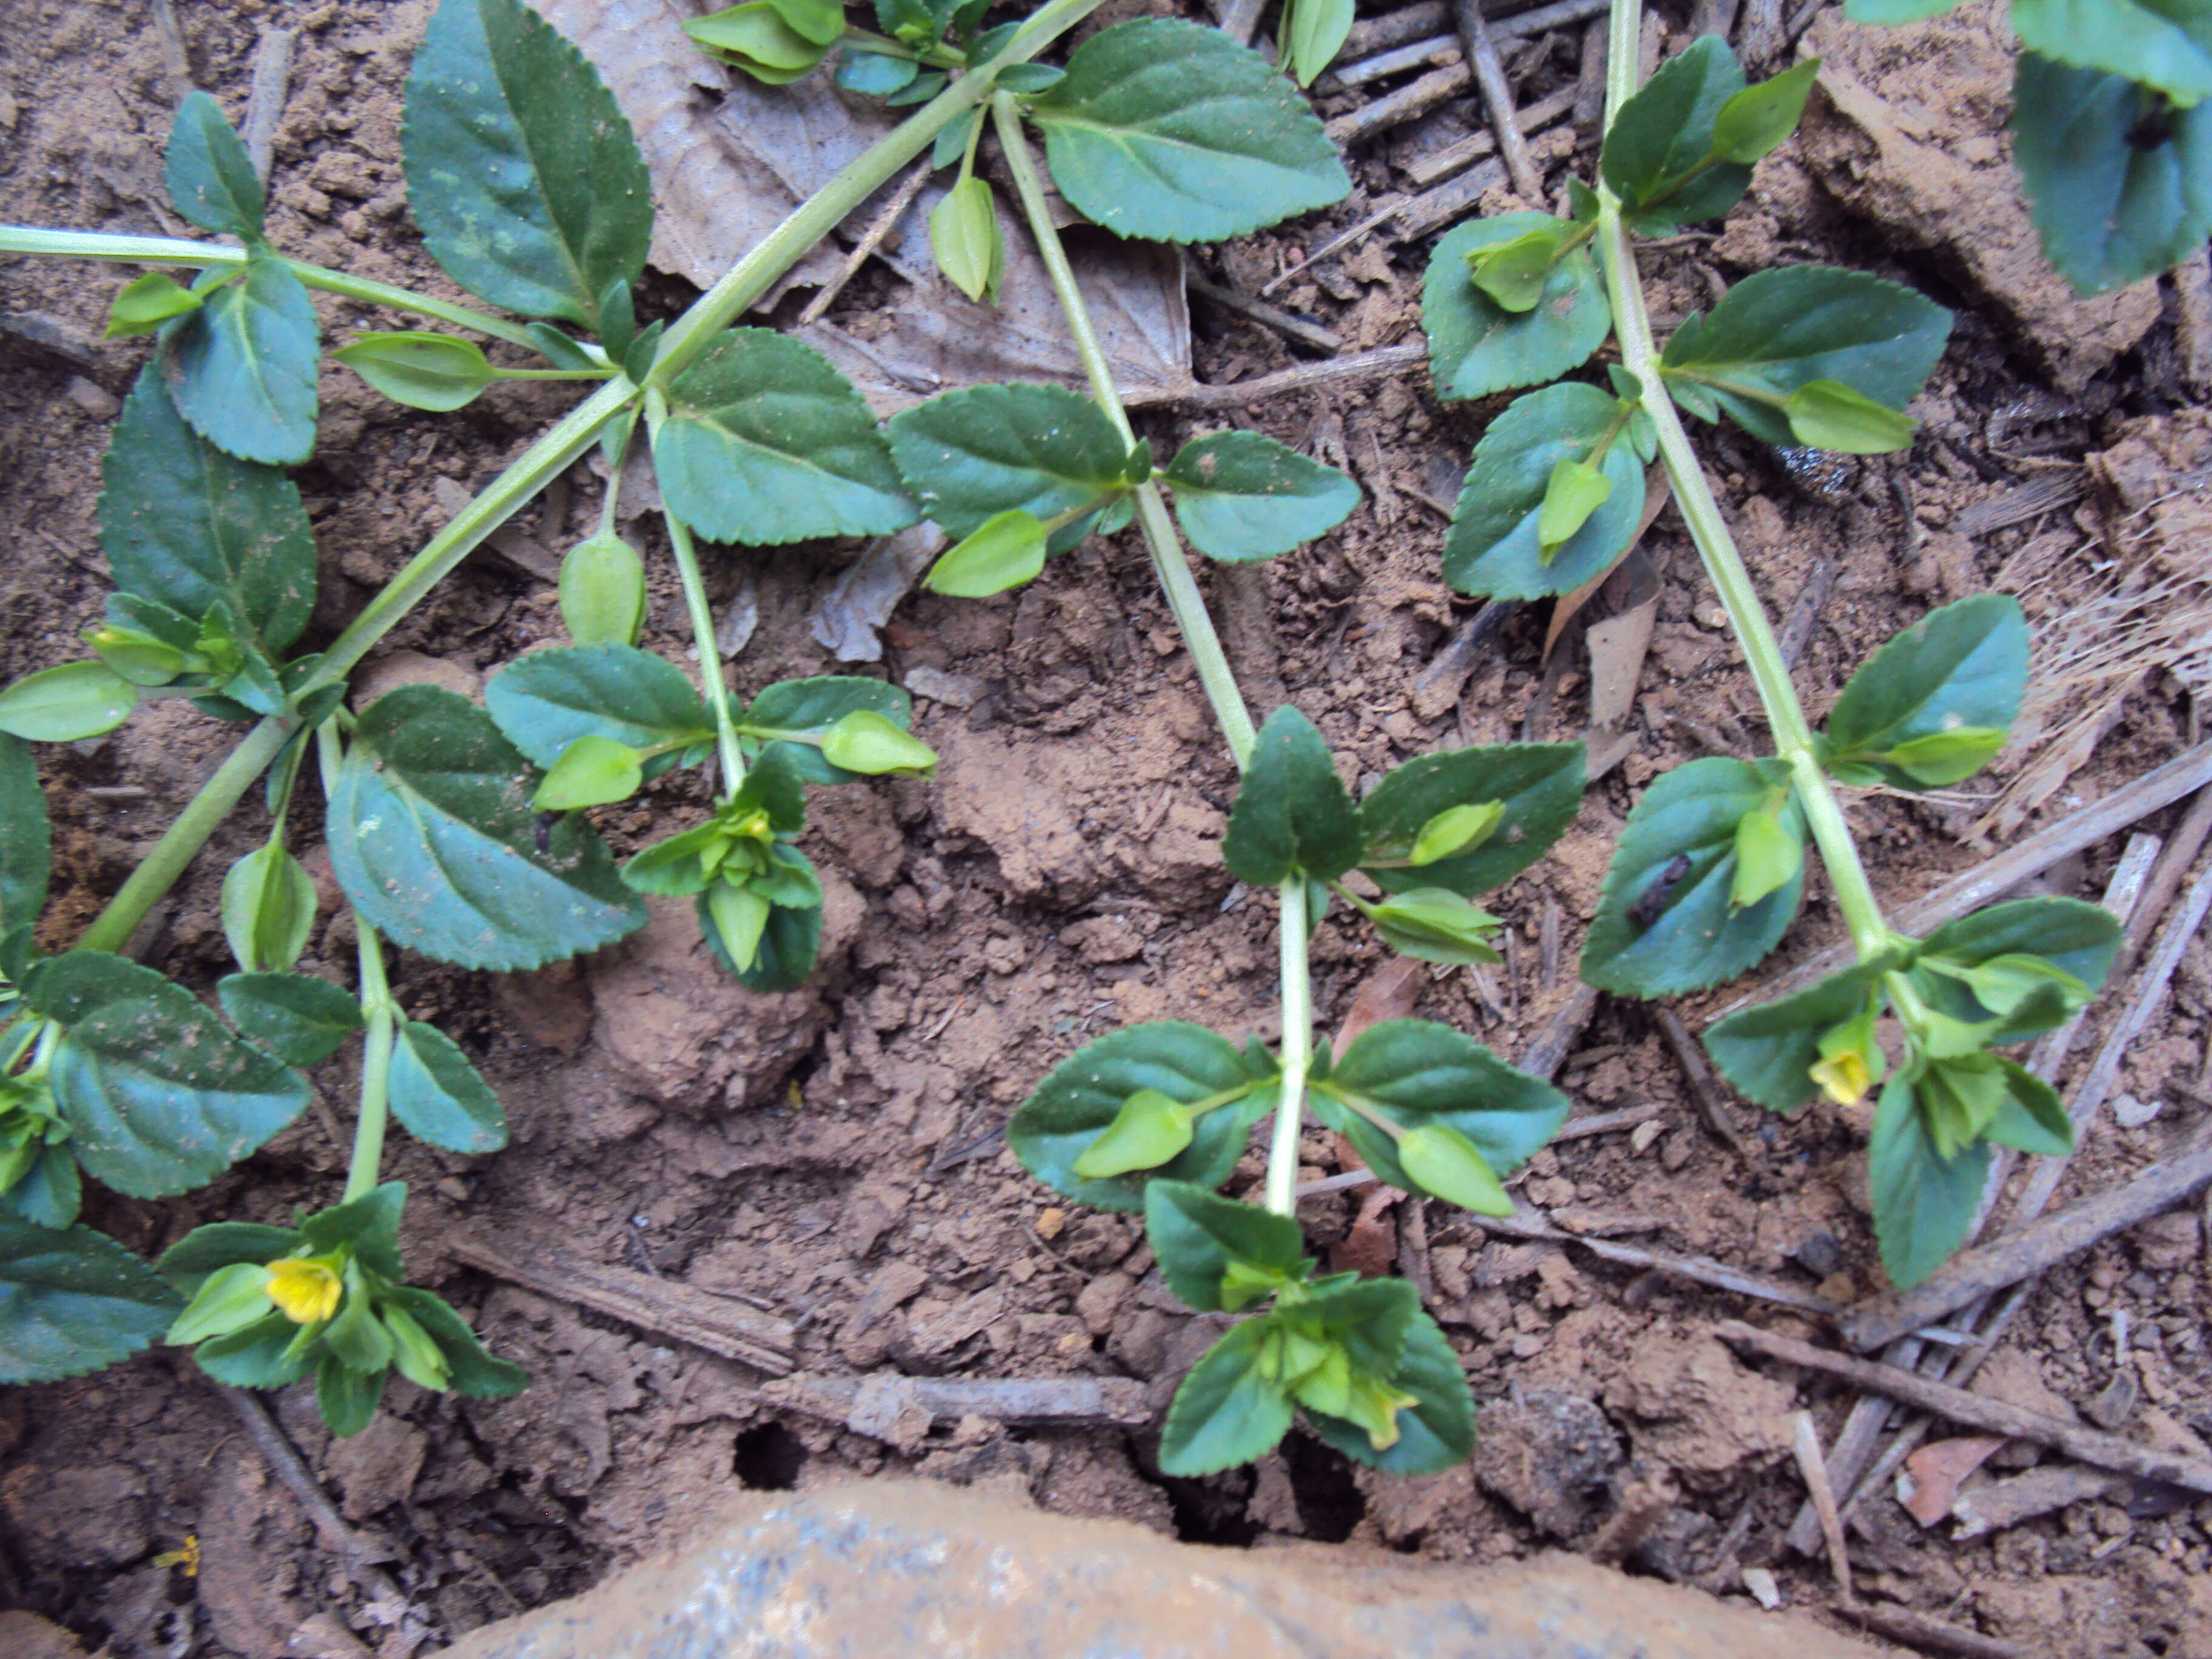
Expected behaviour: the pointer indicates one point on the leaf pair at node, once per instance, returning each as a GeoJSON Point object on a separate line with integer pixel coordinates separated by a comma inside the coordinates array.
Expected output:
{"type": "Point", "coordinates": [1366, 1367]}
{"type": "Point", "coordinates": [1989, 980]}
{"type": "Point", "coordinates": [268, 1306]}
{"type": "Point", "coordinates": [1681, 149]}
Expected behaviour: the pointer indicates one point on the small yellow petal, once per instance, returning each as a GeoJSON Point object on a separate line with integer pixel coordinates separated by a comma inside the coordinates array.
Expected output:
{"type": "Point", "coordinates": [1844, 1079]}
{"type": "Point", "coordinates": [307, 1292]}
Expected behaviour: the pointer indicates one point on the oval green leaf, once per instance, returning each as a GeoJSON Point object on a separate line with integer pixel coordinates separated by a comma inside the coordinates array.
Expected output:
{"type": "Point", "coordinates": [242, 367]}
{"type": "Point", "coordinates": [1199, 1236]}
{"type": "Point", "coordinates": [543, 703]}
{"type": "Point", "coordinates": [422, 370]}
{"type": "Point", "coordinates": [210, 175]}
{"type": "Point", "coordinates": [1418, 1072]}
{"type": "Point", "coordinates": [972, 454]}
{"type": "Point", "coordinates": [1495, 548]}
{"type": "Point", "coordinates": [268, 909]}
{"type": "Point", "coordinates": [1961, 668]}
{"type": "Point", "coordinates": [1540, 785]}
{"type": "Point", "coordinates": [965, 238]}
{"type": "Point", "coordinates": [1659, 152]}
{"type": "Point", "coordinates": [439, 1096]}
{"type": "Point", "coordinates": [62, 705]}
{"type": "Point", "coordinates": [1005, 550]}
{"type": "Point", "coordinates": [1476, 346]}
{"type": "Point", "coordinates": [72, 1301]}
{"type": "Point", "coordinates": [298, 1018]}
{"type": "Point", "coordinates": [592, 771]}
{"type": "Point", "coordinates": [791, 710]}
{"type": "Point", "coordinates": [602, 591]}
{"type": "Point", "coordinates": [1225, 1411]}
{"type": "Point", "coordinates": [1242, 495]}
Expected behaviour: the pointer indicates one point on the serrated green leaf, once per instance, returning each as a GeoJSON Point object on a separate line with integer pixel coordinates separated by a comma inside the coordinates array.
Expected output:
{"type": "Point", "coordinates": [158, 1097]}
{"type": "Point", "coordinates": [1418, 1072]}
{"type": "Point", "coordinates": [808, 707]}
{"type": "Point", "coordinates": [62, 705]}
{"type": "Point", "coordinates": [2117, 189]}
{"type": "Point", "coordinates": [268, 909]}
{"type": "Point", "coordinates": [1690, 938]}
{"type": "Point", "coordinates": [1829, 415]}
{"type": "Point", "coordinates": [433, 839]}
{"type": "Point", "coordinates": [298, 1018]}
{"type": "Point", "coordinates": [1767, 1052]}
{"type": "Point", "coordinates": [187, 526]}
{"type": "Point", "coordinates": [1292, 811]}
{"type": "Point", "coordinates": [474, 1372]}
{"type": "Point", "coordinates": [1198, 1236]}
{"type": "Point", "coordinates": [369, 1224]}
{"type": "Point", "coordinates": [767, 443]}
{"type": "Point", "coordinates": [1922, 1203]}
{"type": "Point", "coordinates": [1435, 1432]}
{"type": "Point", "coordinates": [1755, 121]}
{"type": "Point", "coordinates": [141, 307]}
{"type": "Point", "coordinates": [49, 1193]}
{"type": "Point", "coordinates": [347, 1398]}
{"type": "Point", "coordinates": [1240, 496]}
{"type": "Point", "coordinates": [2077, 938]}
{"type": "Point", "coordinates": [241, 367]}
{"type": "Point", "coordinates": [1495, 548]}
{"type": "Point", "coordinates": [440, 1096]}
{"type": "Point", "coordinates": [543, 702]}
{"type": "Point", "coordinates": [1170, 131]}
{"type": "Point", "coordinates": [422, 370]}
{"type": "Point", "coordinates": [210, 177]}
{"type": "Point", "coordinates": [1961, 668]}
{"type": "Point", "coordinates": [206, 1250]}
{"type": "Point", "coordinates": [72, 1301]}
{"type": "Point", "coordinates": [966, 240]}
{"type": "Point", "coordinates": [971, 454]}
{"type": "Point", "coordinates": [1658, 156]}
{"type": "Point", "coordinates": [874, 73]}
{"type": "Point", "coordinates": [1082, 1096]}
{"type": "Point", "coordinates": [26, 849]}
{"type": "Point", "coordinates": [2032, 1119]}
{"type": "Point", "coordinates": [1777, 329]}
{"type": "Point", "coordinates": [1539, 784]}
{"type": "Point", "coordinates": [1313, 33]}
{"type": "Point", "coordinates": [1225, 1411]}
{"type": "Point", "coordinates": [2166, 43]}
{"type": "Point", "coordinates": [1476, 346]}
{"type": "Point", "coordinates": [1005, 550]}
{"type": "Point", "coordinates": [520, 168]}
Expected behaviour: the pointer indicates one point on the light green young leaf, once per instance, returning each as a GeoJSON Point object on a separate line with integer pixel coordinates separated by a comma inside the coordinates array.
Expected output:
{"type": "Point", "coordinates": [1226, 1410]}
{"type": "Point", "coordinates": [2031, 1118]}
{"type": "Point", "coordinates": [440, 1096]}
{"type": "Point", "coordinates": [72, 1301]}
{"type": "Point", "coordinates": [1151, 1129]}
{"type": "Point", "coordinates": [158, 1097]}
{"type": "Point", "coordinates": [1293, 812]}
{"type": "Point", "coordinates": [300, 1019]}
{"type": "Point", "coordinates": [1514, 273]}
{"type": "Point", "coordinates": [1437, 1431]}
{"type": "Point", "coordinates": [774, 41]}
{"type": "Point", "coordinates": [1202, 1240]}
{"type": "Point", "coordinates": [1495, 548]}
{"type": "Point", "coordinates": [1539, 786]}
{"type": "Point", "coordinates": [268, 909]}
{"type": "Point", "coordinates": [1767, 852]}
{"type": "Point", "coordinates": [1443, 1162]}
{"type": "Point", "coordinates": [1005, 550]}
{"type": "Point", "coordinates": [1313, 32]}
{"type": "Point", "coordinates": [1433, 924]}
{"type": "Point", "coordinates": [242, 367]}
{"type": "Point", "coordinates": [520, 169]}
{"type": "Point", "coordinates": [436, 372]}
{"type": "Point", "coordinates": [1456, 830]}
{"type": "Point", "coordinates": [602, 591]}
{"type": "Point", "coordinates": [1659, 152]}
{"type": "Point", "coordinates": [1829, 415]}
{"type": "Point", "coordinates": [433, 839]}
{"type": "Point", "coordinates": [965, 238]}
{"type": "Point", "coordinates": [874, 745]}
{"type": "Point", "coordinates": [971, 454]}
{"type": "Point", "coordinates": [475, 1373]}
{"type": "Point", "coordinates": [2076, 939]}
{"type": "Point", "coordinates": [1242, 495]}
{"type": "Point", "coordinates": [61, 705]}
{"type": "Point", "coordinates": [766, 443]}
{"type": "Point", "coordinates": [1953, 676]}
{"type": "Point", "coordinates": [143, 305]}
{"type": "Point", "coordinates": [1755, 121]}
{"type": "Point", "coordinates": [1476, 346]}
{"type": "Point", "coordinates": [2165, 44]}
{"type": "Point", "coordinates": [592, 771]}
{"type": "Point", "coordinates": [1576, 490]}
{"type": "Point", "coordinates": [2117, 192]}
{"type": "Point", "coordinates": [1778, 329]}
{"type": "Point", "coordinates": [785, 952]}
{"type": "Point", "coordinates": [210, 177]}
{"type": "Point", "coordinates": [808, 708]}
{"type": "Point", "coordinates": [188, 526]}
{"type": "Point", "coordinates": [1168, 130]}
{"type": "Point", "coordinates": [543, 703]}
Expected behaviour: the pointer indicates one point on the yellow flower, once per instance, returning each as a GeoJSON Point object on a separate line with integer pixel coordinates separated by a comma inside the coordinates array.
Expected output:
{"type": "Point", "coordinates": [1844, 1078]}
{"type": "Point", "coordinates": [308, 1291]}
{"type": "Point", "coordinates": [188, 1558]}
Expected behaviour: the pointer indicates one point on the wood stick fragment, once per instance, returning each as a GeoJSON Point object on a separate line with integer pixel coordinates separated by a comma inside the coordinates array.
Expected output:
{"type": "Point", "coordinates": [1704, 1087]}
{"type": "Point", "coordinates": [1904, 1625]}
{"type": "Point", "coordinates": [2189, 838]}
{"type": "Point", "coordinates": [1024, 1401]}
{"type": "Point", "coordinates": [1976, 1411]}
{"type": "Point", "coordinates": [1590, 80]}
{"type": "Point", "coordinates": [1805, 613]}
{"type": "Point", "coordinates": [1438, 50]}
{"type": "Point", "coordinates": [1458, 156]}
{"type": "Point", "coordinates": [265, 102]}
{"type": "Point", "coordinates": [1289, 325]}
{"type": "Point", "coordinates": [2007, 1502]}
{"type": "Point", "coordinates": [718, 1324]}
{"type": "Point", "coordinates": [1498, 100]}
{"type": "Point", "coordinates": [1240, 19]}
{"type": "Point", "coordinates": [1304, 377]}
{"type": "Point", "coordinates": [1441, 85]}
{"type": "Point", "coordinates": [1392, 28]}
{"type": "Point", "coordinates": [877, 232]}
{"type": "Point", "coordinates": [1805, 1442]}
{"type": "Point", "coordinates": [1974, 1274]}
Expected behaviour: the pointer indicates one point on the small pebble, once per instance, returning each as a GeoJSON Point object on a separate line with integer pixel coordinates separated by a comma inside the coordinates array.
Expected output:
{"type": "Point", "coordinates": [94, 400]}
{"type": "Point", "coordinates": [1764, 1591]}
{"type": "Point", "coordinates": [2132, 1114]}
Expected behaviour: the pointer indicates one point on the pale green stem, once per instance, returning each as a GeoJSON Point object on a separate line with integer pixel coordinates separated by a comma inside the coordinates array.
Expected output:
{"type": "Point", "coordinates": [1297, 1053]}
{"type": "Point", "coordinates": [711, 674]}
{"type": "Point", "coordinates": [373, 1116]}
{"type": "Point", "coordinates": [1694, 496]}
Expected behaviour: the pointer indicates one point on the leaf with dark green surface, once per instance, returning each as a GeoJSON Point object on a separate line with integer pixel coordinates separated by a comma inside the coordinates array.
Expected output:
{"type": "Point", "coordinates": [242, 367]}
{"type": "Point", "coordinates": [298, 1018]}
{"type": "Point", "coordinates": [439, 1095]}
{"type": "Point", "coordinates": [544, 701]}
{"type": "Point", "coordinates": [1768, 1052]}
{"type": "Point", "coordinates": [808, 707]}
{"type": "Point", "coordinates": [1202, 1239]}
{"type": "Point", "coordinates": [2032, 1118]}
{"type": "Point", "coordinates": [765, 443]}
{"type": "Point", "coordinates": [2077, 938]}
{"type": "Point", "coordinates": [1435, 1432]}
{"type": "Point", "coordinates": [369, 1224]}
{"type": "Point", "coordinates": [49, 1193]}
{"type": "Point", "coordinates": [1292, 811]}
{"type": "Point", "coordinates": [75, 701]}
{"type": "Point", "coordinates": [422, 370]}
{"type": "Point", "coordinates": [26, 849]}
{"type": "Point", "coordinates": [142, 306]}
{"type": "Point", "coordinates": [1225, 1411]}
{"type": "Point", "coordinates": [971, 454]}
{"type": "Point", "coordinates": [187, 1263]}
{"type": "Point", "coordinates": [187, 526]}
{"type": "Point", "coordinates": [1663, 929]}
{"type": "Point", "coordinates": [530, 189]}
{"type": "Point", "coordinates": [1417, 1073]}
{"type": "Point", "coordinates": [1083, 1095]}
{"type": "Point", "coordinates": [1922, 1203]}
{"type": "Point", "coordinates": [1777, 330]}
{"type": "Point", "coordinates": [2165, 44]}
{"type": "Point", "coordinates": [472, 1371]}
{"type": "Point", "coordinates": [347, 1398]}
{"type": "Point", "coordinates": [1494, 550]}
{"type": "Point", "coordinates": [261, 1355]}
{"type": "Point", "coordinates": [432, 838]}
{"type": "Point", "coordinates": [1963, 668]}
{"type": "Point", "coordinates": [1659, 152]}
{"type": "Point", "coordinates": [72, 1301]}
{"type": "Point", "coordinates": [160, 1097]}
{"type": "Point", "coordinates": [1476, 346]}
{"type": "Point", "coordinates": [785, 952]}
{"type": "Point", "coordinates": [2118, 189]}
{"type": "Point", "coordinates": [1754, 122]}
{"type": "Point", "coordinates": [268, 909]}
{"type": "Point", "coordinates": [874, 73]}
{"type": "Point", "coordinates": [1168, 130]}
{"type": "Point", "coordinates": [1242, 495]}
{"type": "Point", "coordinates": [210, 177]}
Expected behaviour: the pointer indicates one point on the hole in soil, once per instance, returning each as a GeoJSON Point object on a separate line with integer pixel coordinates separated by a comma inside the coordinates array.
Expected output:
{"type": "Point", "coordinates": [768, 1458]}
{"type": "Point", "coordinates": [1330, 1502]}
{"type": "Point", "coordinates": [1212, 1510]}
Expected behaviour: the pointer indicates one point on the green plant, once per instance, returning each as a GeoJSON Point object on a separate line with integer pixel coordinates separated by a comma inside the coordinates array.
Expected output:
{"type": "Point", "coordinates": [1710, 869]}
{"type": "Point", "coordinates": [2108, 127]}
{"type": "Point", "coordinates": [454, 830]}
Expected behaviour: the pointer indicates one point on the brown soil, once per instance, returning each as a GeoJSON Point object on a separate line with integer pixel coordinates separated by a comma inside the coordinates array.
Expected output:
{"type": "Point", "coordinates": [1058, 878]}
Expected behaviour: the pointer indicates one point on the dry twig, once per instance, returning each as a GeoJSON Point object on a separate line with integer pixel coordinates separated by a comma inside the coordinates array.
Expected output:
{"type": "Point", "coordinates": [1805, 1442]}
{"type": "Point", "coordinates": [1498, 100]}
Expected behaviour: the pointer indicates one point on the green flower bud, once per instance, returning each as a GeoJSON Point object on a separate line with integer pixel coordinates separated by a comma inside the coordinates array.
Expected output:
{"type": "Point", "coordinates": [1456, 830]}
{"type": "Point", "coordinates": [229, 1300]}
{"type": "Point", "coordinates": [740, 917]}
{"type": "Point", "coordinates": [1767, 854]}
{"type": "Point", "coordinates": [865, 741]}
{"type": "Point", "coordinates": [414, 1355]}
